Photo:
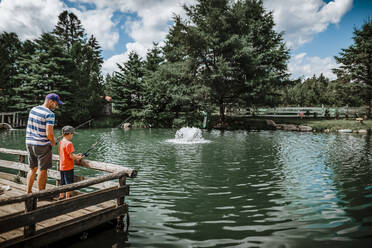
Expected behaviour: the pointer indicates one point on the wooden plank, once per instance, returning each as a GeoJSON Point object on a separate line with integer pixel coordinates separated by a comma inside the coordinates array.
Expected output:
{"type": "Point", "coordinates": [69, 187]}
{"type": "Point", "coordinates": [85, 163]}
{"type": "Point", "coordinates": [60, 208]}
{"type": "Point", "coordinates": [106, 167]}
{"type": "Point", "coordinates": [30, 228]}
{"type": "Point", "coordinates": [24, 167]}
{"type": "Point", "coordinates": [77, 225]}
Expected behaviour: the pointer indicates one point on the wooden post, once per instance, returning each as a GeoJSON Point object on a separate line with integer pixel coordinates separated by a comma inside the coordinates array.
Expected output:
{"type": "Point", "coordinates": [14, 119]}
{"type": "Point", "coordinates": [119, 202]}
{"type": "Point", "coordinates": [58, 181]}
{"type": "Point", "coordinates": [30, 205]}
{"type": "Point", "coordinates": [21, 159]}
{"type": "Point", "coordinates": [2, 118]}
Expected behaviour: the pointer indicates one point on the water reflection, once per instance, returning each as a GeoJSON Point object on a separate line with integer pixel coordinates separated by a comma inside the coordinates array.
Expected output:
{"type": "Point", "coordinates": [243, 189]}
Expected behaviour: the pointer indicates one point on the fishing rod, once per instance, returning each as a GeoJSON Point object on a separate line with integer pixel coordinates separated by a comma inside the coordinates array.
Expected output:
{"type": "Point", "coordinates": [82, 124]}
{"type": "Point", "coordinates": [86, 154]}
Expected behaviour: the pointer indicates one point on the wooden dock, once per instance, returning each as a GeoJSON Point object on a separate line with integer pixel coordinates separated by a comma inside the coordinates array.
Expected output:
{"type": "Point", "coordinates": [38, 219]}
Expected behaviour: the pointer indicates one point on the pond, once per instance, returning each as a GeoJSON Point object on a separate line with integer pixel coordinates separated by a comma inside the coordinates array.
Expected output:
{"type": "Point", "coordinates": [236, 188]}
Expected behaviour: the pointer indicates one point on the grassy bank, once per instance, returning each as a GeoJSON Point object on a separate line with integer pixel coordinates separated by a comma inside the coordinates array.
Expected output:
{"type": "Point", "coordinates": [319, 125]}
{"type": "Point", "coordinates": [256, 123]}
{"type": "Point", "coordinates": [335, 125]}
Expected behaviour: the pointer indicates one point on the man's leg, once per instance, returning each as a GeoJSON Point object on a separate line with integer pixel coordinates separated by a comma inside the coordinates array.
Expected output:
{"type": "Point", "coordinates": [42, 179]}
{"type": "Point", "coordinates": [30, 179]}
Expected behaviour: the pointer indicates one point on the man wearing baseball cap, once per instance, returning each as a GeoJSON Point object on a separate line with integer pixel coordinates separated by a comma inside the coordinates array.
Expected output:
{"type": "Point", "coordinates": [40, 139]}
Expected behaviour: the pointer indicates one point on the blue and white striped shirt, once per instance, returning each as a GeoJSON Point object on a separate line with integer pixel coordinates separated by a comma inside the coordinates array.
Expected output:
{"type": "Point", "coordinates": [38, 119]}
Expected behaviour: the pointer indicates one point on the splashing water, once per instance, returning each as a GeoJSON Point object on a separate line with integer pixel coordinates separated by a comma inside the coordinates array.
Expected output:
{"type": "Point", "coordinates": [188, 135]}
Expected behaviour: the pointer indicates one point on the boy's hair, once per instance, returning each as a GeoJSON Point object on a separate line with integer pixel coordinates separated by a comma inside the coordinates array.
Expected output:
{"type": "Point", "coordinates": [68, 130]}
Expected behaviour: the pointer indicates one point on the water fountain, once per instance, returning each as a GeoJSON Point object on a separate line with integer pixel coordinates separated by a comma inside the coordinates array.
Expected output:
{"type": "Point", "coordinates": [188, 135]}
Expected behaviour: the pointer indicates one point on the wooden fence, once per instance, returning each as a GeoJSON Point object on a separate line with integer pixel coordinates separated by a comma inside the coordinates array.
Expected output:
{"type": "Point", "coordinates": [341, 112]}
{"type": "Point", "coordinates": [12, 120]}
{"type": "Point", "coordinates": [36, 235]}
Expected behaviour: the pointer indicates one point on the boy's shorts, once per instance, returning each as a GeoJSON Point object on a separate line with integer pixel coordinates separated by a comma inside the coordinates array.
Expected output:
{"type": "Point", "coordinates": [67, 177]}
{"type": "Point", "coordinates": [39, 156]}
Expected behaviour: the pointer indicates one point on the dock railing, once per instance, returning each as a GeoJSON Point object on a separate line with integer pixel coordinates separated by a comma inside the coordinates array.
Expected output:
{"type": "Point", "coordinates": [32, 214]}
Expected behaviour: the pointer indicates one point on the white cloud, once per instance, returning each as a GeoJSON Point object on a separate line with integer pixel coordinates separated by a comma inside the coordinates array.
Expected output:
{"type": "Point", "coordinates": [152, 24]}
{"type": "Point", "coordinates": [99, 23]}
{"type": "Point", "coordinates": [29, 18]}
{"type": "Point", "coordinates": [302, 65]}
{"type": "Point", "coordinates": [302, 20]}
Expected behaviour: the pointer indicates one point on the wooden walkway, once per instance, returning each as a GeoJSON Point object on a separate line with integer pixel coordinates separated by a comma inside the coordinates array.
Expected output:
{"type": "Point", "coordinates": [39, 219]}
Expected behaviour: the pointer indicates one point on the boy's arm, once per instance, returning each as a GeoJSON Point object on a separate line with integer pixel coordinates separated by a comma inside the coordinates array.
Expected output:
{"type": "Point", "coordinates": [76, 156]}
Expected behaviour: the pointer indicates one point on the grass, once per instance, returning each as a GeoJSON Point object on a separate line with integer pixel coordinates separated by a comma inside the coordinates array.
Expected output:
{"type": "Point", "coordinates": [334, 125]}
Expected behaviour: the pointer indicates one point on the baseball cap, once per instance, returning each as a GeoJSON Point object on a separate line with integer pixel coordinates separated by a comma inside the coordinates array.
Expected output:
{"type": "Point", "coordinates": [68, 130]}
{"type": "Point", "coordinates": [54, 97]}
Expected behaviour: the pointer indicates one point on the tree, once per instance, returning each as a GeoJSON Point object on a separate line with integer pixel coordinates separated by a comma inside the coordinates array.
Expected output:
{"type": "Point", "coordinates": [44, 67]}
{"type": "Point", "coordinates": [69, 29]}
{"type": "Point", "coordinates": [10, 49]}
{"type": "Point", "coordinates": [127, 85]}
{"type": "Point", "coordinates": [356, 62]}
{"type": "Point", "coordinates": [233, 50]}
{"type": "Point", "coordinates": [84, 94]}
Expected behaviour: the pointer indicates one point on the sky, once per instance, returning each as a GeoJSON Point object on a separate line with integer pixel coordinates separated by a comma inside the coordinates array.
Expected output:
{"type": "Point", "coordinates": [314, 30]}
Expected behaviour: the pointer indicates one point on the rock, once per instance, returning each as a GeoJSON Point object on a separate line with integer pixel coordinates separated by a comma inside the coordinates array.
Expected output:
{"type": "Point", "coordinates": [305, 128]}
{"type": "Point", "coordinates": [270, 123]}
{"type": "Point", "coordinates": [362, 131]}
{"type": "Point", "coordinates": [345, 131]}
{"type": "Point", "coordinates": [126, 125]}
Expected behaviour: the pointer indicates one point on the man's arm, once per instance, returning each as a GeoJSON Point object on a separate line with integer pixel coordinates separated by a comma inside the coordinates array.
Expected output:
{"type": "Point", "coordinates": [50, 134]}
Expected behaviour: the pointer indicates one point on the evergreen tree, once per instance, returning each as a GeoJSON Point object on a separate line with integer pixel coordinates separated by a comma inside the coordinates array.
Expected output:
{"type": "Point", "coordinates": [127, 85]}
{"type": "Point", "coordinates": [356, 62]}
{"type": "Point", "coordinates": [45, 68]}
{"type": "Point", "coordinates": [153, 59]}
{"type": "Point", "coordinates": [69, 29]}
{"type": "Point", "coordinates": [10, 48]}
{"type": "Point", "coordinates": [86, 89]}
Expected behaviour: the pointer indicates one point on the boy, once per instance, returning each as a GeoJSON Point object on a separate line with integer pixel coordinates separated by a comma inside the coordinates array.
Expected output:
{"type": "Point", "coordinates": [66, 158]}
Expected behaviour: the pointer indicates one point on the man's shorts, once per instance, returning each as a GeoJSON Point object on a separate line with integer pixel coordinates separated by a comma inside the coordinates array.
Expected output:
{"type": "Point", "coordinates": [67, 177]}
{"type": "Point", "coordinates": [39, 156]}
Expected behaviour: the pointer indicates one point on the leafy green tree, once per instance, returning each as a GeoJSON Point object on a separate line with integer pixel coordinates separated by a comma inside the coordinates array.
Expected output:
{"type": "Point", "coordinates": [10, 48]}
{"type": "Point", "coordinates": [233, 50]}
{"type": "Point", "coordinates": [356, 62]}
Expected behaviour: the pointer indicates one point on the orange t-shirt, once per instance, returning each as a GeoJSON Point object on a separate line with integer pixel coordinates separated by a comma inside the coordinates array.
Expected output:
{"type": "Point", "coordinates": [65, 149]}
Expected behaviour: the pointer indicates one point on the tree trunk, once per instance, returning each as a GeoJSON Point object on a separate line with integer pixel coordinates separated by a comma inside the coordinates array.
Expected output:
{"type": "Point", "coordinates": [222, 111]}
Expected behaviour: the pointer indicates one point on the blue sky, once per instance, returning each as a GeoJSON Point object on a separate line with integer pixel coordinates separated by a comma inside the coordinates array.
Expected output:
{"type": "Point", "coordinates": [314, 30]}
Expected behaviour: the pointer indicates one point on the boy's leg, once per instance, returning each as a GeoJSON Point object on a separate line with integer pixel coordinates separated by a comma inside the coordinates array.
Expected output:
{"type": "Point", "coordinates": [69, 177]}
{"type": "Point", "coordinates": [63, 182]}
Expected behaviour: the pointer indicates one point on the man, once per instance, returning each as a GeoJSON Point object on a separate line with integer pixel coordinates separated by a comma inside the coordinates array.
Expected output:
{"type": "Point", "coordinates": [40, 139]}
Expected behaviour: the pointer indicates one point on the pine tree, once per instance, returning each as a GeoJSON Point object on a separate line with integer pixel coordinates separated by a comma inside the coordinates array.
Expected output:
{"type": "Point", "coordinates": [127, 85]}
{"type": "Point", "coordinates": [69, 29]}
{"type": "Point", "coordinates": [356, 62]}
{"type": "Point", "coordinates": [10, 49]}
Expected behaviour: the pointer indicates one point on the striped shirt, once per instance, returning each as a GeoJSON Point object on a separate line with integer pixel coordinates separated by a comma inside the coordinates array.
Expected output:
{"type": "Point", "coordinates": [38, 119]}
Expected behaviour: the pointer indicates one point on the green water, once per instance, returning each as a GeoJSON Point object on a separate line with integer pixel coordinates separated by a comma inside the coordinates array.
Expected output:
{"type": "Point", "coordinates": [237, 189]}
